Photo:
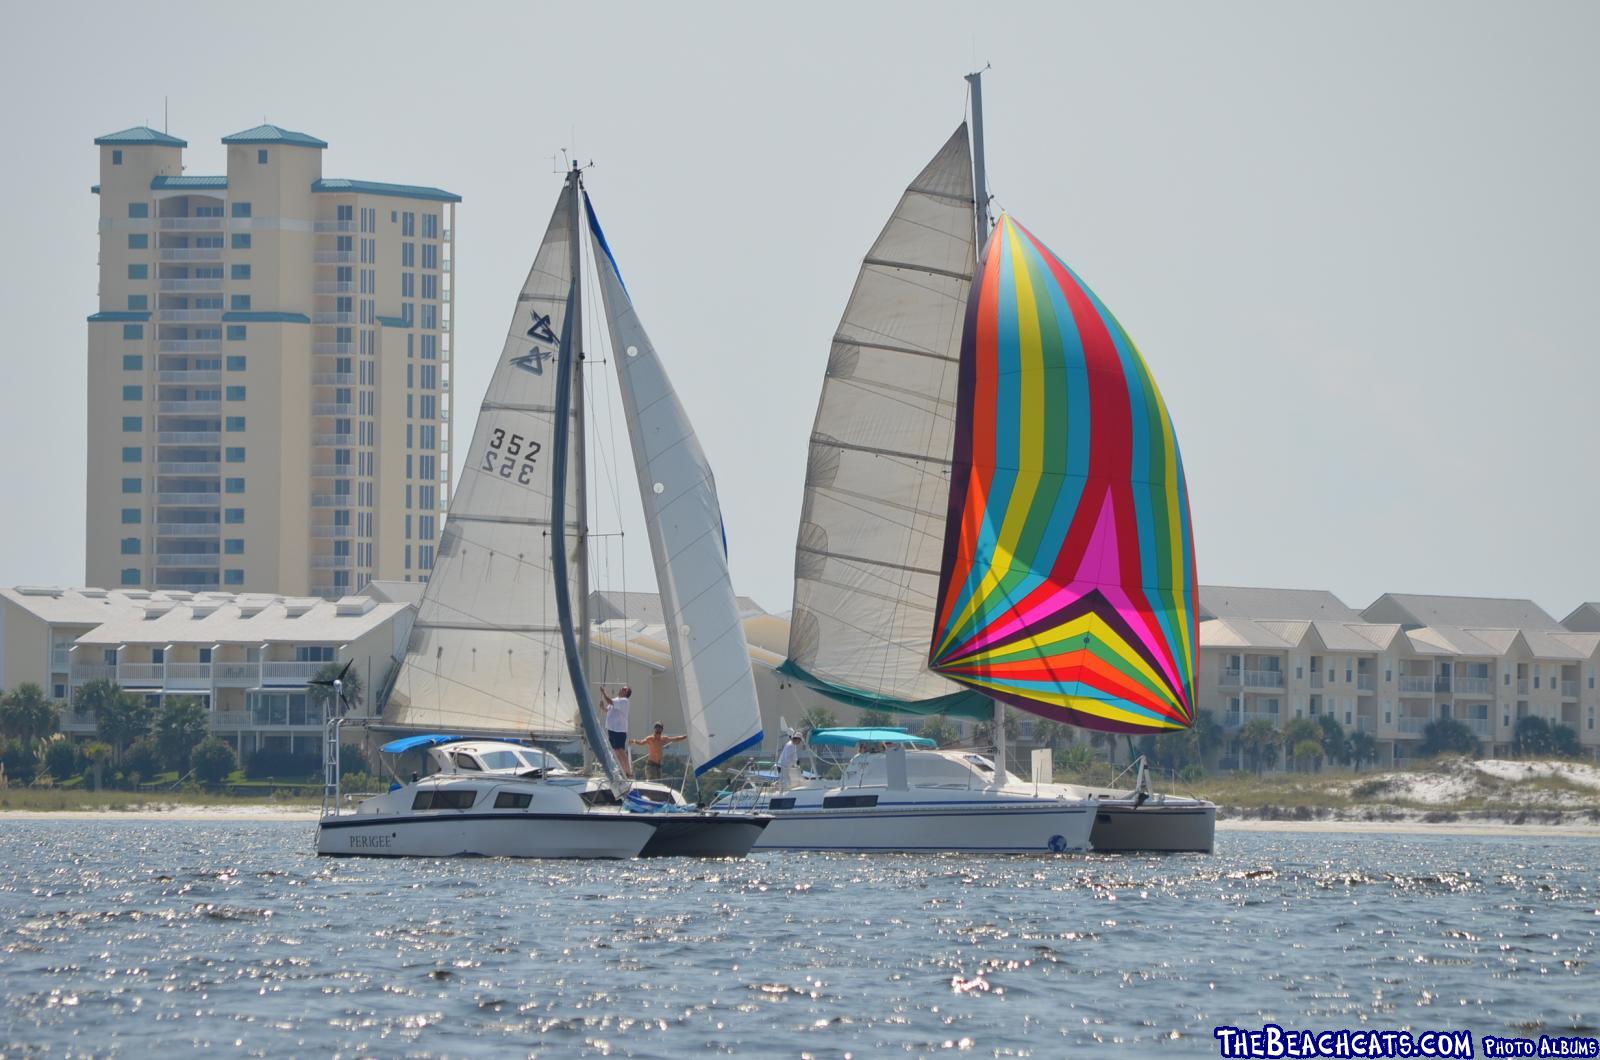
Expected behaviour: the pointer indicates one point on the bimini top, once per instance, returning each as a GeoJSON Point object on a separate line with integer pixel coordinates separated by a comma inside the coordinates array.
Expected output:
{"type": "Point", "coordinates": [411, 743]}
{"type": "Point", "coordinates": [846, 737]}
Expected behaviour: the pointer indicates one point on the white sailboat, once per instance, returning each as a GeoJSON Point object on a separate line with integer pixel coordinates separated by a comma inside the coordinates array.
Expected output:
{"type": "Point", "coordinates": [973, 535]}
{"type": "Point", "coordinates": [500, 641]}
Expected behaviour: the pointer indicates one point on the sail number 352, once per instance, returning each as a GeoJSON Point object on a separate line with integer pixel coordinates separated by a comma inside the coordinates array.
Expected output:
{"type": "Point", "coordinates": [511, 456]}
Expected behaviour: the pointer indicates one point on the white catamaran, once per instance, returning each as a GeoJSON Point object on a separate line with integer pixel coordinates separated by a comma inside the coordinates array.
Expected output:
{"type": "Point", "coordinates": [994, 514]}
{"type": "Point", "coordinates": [500, 640]}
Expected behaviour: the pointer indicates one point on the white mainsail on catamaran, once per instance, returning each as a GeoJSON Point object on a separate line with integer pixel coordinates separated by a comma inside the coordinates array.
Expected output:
{"type": "Point", "coordinates": [500, 640]}
{"type": "Point", "coordinates": [994, 514]}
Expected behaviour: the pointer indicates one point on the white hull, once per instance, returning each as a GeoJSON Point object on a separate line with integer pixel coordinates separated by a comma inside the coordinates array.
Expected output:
{"type": "Point", "coordinates": [504, 835]}
{"type": "Point", "coordinates": [991, 827]}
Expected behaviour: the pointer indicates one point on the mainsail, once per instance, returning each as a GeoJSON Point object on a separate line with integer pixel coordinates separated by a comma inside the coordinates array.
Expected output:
{"type": "Point", "coordinates": [684, 520]}
{"type": "Point", "coordinates": [877, 478]}
{"type": "Point", "coordinates": [485, 651]}
{"type": "Point", "coordinates": [1067, 583]}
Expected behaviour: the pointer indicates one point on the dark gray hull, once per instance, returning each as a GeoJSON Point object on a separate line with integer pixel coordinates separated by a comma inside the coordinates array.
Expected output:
{"type": "Point", "coordinates": [1120, 826]}
{"type": "Point", "coordinates": [703, 835]}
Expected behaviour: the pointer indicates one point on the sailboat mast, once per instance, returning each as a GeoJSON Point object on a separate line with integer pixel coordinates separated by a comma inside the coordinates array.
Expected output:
{"type": "Point", "coordinates": [580, 458]}
{"type": "Point", "coordinates": [980, 182]}
{"type": "Point", "coordinates": [980, 207]}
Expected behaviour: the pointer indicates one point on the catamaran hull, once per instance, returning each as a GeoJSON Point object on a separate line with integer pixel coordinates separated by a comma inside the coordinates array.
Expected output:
{"type": "Point", "coordinates": [1120, 826]}
{"type": "Point", "coordinates": [502, 835]}
{"type": "Point", "coordinates": [704, 835]}
{"type": "Point", "coordinates": [909, 828]}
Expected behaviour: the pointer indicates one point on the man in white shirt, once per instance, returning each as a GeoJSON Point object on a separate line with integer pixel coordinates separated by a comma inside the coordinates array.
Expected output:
{"type": "Point", "coordinates": [617, 727]}
{"type": "Point", "coordinates": [788, 758]}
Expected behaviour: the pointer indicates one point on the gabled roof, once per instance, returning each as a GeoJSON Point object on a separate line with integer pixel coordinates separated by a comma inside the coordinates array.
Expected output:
{"type": "Point", "coordinates": [1472, 612]}
{"type": "Point", "coordinates": [1585, 618]}
{"type": "Point", "coordinates": [1232, 601]}
{"type": "Point", "coordinates": [274, 134]}
{"type": "Point", "coordinates": [139, 136]}
{"type": "Point", "coordinates": [167, 183]}
{"type": "Point", "coordinates": [340, 185]}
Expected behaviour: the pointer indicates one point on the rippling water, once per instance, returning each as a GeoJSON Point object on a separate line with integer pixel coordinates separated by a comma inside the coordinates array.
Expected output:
{"type": "Point", "coordinates": [129, 936]}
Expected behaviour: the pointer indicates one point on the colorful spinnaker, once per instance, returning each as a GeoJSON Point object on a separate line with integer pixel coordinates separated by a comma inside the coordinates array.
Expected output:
{"type": "Point", "coordinates": [1067, 585]}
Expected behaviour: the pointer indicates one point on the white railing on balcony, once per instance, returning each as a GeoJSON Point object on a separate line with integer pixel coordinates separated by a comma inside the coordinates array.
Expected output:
{"type": "Point", "coordinates": [332, 470]}
{"type": "Point", "coordinates": [1253, 678]}
{"type": "Point", "coordinates": [231, 719]}
{"type": "Point", "coordinates": [1238, 718]}
{"type": "Point", "coordinates": [188, 500]}
{"type": "Point", "coordinates": [189, 437]}
{"type": "Point", "coordinates": [333, 379]}
{"type": "Point", "coordinates": [192, 254]}
{"type": "Point", "coordinates": [187, 560]}
{"type": "Point", "coordinates": [333, 318]}
{"type": "Point", "coordinates": [189, 316]}
{"type": "Point", "coordinates": [212, 469]}
{"type": "Point", "coordinates": [289, 673]}
{"type": "Point", "coordinates": [335, 226]}
{"type": "Point", "coordinates": [1569, 690]}
{"type": "Point", "coordinates": [188, 675]}
{"type": "Point", "coordinates": [332, 347]}
{"type": "Point", "coordinates": [334, 287]}
{"type": "Point", "coordinates": [332, 408]}
{"type": "Point", "coordinates": [73, 722]}
{"type": "Point", "coordinates": [188, 529]}
{"type": "Point", "coordinates": [192, 407]}
{"type": "Point", "coordinates": [1365, 682]}
{"type": "Point", "coordinates": [192, 283]}
{"type": "Point", "coordinates": [190, 345]}
{"type": "Point", "coordinates": [334, 257]}
{"type": "Point", "coordinates": [189, 376]}
{"type": "Point", "coordinates": [331, 531]}
{"type": "Point", "coordinates": [1410, 725]}
{"type": "Point", "coordinates": [1416, 683]}
{"type": "Point", "coordinates": [142, 675]}
{"type": "Point", "coordinates": [60, 658]}
{"type": "Point", "coordinates": [331, 562]}
{"type": "Point", "coordinates": [236, 674]}
{"type": "Point", "coordinates": [330, 500]}
{"type": "Point", "coordinates": [334, 440]}
{"type": "Point", "coordinates": [1474, 686]}
{"type": "Point", "coordinates": [82, 673]}
{"type": "Point", "coordinates": [191, 224]}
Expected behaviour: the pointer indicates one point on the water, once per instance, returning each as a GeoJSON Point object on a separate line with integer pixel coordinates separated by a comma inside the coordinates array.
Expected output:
{"type": "Point", "coordinates": [124, 937]}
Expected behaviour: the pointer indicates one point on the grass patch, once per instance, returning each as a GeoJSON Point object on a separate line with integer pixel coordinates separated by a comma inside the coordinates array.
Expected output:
{"type": "Point", "coordinates": [49, 800]}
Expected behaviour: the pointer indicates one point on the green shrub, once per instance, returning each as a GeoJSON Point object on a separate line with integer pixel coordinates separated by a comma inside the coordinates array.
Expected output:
{"type": "Point", "coordinates": [213, 760]}
{"type": "Point", "coordinates": [61, 759]}
{"type": "Point", "coordinates": [22, 765]}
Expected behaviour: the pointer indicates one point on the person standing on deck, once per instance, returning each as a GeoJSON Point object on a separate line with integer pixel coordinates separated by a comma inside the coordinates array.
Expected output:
{"type": "Point", "coordinates": [788, 758]}
{"type": "Point", "coordinates": [617, 727]}
{"type": "Point", "coordinates": [654, 744]}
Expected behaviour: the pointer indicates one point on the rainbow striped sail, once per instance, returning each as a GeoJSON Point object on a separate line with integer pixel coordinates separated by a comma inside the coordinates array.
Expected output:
{"type": "Point", "coordinates": [1067, 586]}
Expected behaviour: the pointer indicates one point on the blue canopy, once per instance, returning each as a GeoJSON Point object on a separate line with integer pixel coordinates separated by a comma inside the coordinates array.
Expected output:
{"type": "Point", "coordinates": [846, 737]}
{"type": "Point", "coordinates": [411, 743]}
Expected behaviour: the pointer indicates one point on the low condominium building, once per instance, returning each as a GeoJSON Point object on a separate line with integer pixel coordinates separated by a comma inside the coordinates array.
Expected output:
{"type": "Point", "coordinates": [269, 366]}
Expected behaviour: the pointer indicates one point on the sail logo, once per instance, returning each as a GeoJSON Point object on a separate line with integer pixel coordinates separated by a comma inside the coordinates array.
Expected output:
{"type": "Point", "coordinates": [533, 360]}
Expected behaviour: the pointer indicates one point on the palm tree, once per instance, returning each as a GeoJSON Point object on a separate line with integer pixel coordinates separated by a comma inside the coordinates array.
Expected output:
{"type": "Point", "coordinates": [1363, 747]}
{"type": "Point", "coordinates": [939, 730]}
{"type": "Point", "coordinates": [95, 698]}
{"type": "Point", "coordinates": [1259, 741]}
{"type": "Point", "coordinates": [1300, 731]}
{"type": "Point", "coordinates": [26, 714]}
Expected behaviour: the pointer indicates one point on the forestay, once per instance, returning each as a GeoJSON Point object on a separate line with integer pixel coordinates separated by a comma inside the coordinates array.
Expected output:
{"type": "Point", "coordinates": [485, 652]}
{"type": "Point", "coordinates": [877, 478]}
{"type": "Point", "coordinates": [684, 520]}
{"type": "Point", "coordinates": [1068, 582]}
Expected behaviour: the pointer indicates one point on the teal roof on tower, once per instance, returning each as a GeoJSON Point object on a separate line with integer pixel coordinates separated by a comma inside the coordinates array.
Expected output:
{"type": "Point", "coordinates": [139, 134]}
{"type": "Point", "coordinates": [273, 134]}
{"type": "Point", "coordinates": [196, 181]}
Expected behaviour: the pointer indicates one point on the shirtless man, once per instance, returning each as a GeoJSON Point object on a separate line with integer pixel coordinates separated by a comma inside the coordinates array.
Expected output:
{"type": "Point", "coordinates": [654, 744]}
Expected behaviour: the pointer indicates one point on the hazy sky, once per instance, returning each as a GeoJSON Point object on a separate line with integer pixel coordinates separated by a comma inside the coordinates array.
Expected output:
{"type": "Point", "coordinates": [1357, 243]}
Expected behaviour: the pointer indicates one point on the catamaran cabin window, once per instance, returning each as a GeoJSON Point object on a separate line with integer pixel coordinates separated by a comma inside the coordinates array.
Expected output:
{"type": "Point", "coordinates": [467, 762]}
{"type": "Point", "coordinates": [501, 760]}
{"type": "Point", "coordinates": [538, 759]}
{"type": "Point", "coordinates": [512, 800]}
{"type": "Point", "coordinates": [445, 799]}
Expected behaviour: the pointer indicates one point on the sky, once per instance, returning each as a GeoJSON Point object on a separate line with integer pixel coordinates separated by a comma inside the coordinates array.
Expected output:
{"type": "Point", "coordinates": [1355, 242]}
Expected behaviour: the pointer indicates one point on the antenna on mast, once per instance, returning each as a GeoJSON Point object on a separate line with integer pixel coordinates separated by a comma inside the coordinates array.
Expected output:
{"type": "Point", "coordinates": [979, 177]}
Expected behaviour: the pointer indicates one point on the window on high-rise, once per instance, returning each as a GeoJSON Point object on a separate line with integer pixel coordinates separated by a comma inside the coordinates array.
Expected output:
{"type": "Point", "coordinates": [138, 303]}
{"type": "Point", "coordinates": [237, 332]}
{"type": "Point", "coordinates": [235, 393]}
{"type": "Point", "coordinates": [132, 516]}
{"type": "Point", "coordinates": [132, 454]}
{"type": "Point", "coordinates": [430, 285]}
{"type": "Point", "coordinates": [408, 255]}
{"type": "Point", "coordinates": [241, 241]}
{"type": "Point", "coordinates": [133, 362]}
{"type": "Point", "coordinates": [430, 255]}
{"type": "Point", "coordinates": [241, 209]}
{"type": "Point", "coordinates": [408, 224]}
{"type": "Point", "coordinates": [233, 546]}
{"type": "Point", "coordinates": [239, 303]}
{"type": "Point", "coordinates": [233, 515]}
{"type": "Point", "coordinates": [233, 485]}
{"type": "Point", "coordinates": [133, 423]}
{"type": "Point", "coordinates": [133, 485]}
{"type": "Point", "coordinates": [408, 285]}
{"type": "Point", "coordinates": [138, 241]}
{"type": "Point", "coordinates": [430, 315]}
{"type": "Point", "coordinates": [261, 157]}
{"type": "Point", "coordinates": [133, 393]}
{"type": "Point", "coordinates": [236, 363]}
{"type": "Point", "coordinates": [233, 577]}
{"type": "Point", "coordinates": [234, 454]}
{"type": "Point", "coordinates": [116, 157]}
{"type": "Point", "coordinates": [138, 272]}
{"type": "Point", "coordinates": [138, 209]}
{"type": "Point", "coordinates": [130, 546]}
{"type": "Point", "coordinates": [233, 423]}
{"type": "Point", "coordinates": [130, 576]}
{"type": "Point", "coordinates": [239, 272]}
